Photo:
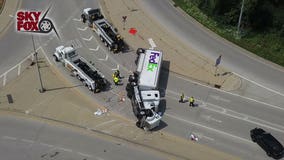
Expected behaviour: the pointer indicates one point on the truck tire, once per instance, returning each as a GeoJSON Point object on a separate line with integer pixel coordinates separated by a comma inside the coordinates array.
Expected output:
{"type": "Point", "coordinates": [55, 58]}
{"type": "Point", "coordinates": [90, 88]}
{"type": "Point", "coordinates": [106, 44]}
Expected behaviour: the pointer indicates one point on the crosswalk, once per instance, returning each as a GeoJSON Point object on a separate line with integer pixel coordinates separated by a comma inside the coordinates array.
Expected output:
{"type": "Point", "coordinates": [76, 43]}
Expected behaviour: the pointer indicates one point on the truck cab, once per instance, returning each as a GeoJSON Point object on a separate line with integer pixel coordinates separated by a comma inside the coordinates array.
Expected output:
{"type": "Point", "coordinates": [65, 53]}
{"type": "Point", "coordinates": [91, 15]}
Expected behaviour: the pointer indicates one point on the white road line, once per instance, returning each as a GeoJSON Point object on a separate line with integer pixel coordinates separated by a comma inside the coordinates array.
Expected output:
{"type": "Point", "coordinates": [104, 123]}
{"type": "Point", "coordinates": [9, 138]}
{"type": "Point", "coordinates": [27, 140]}
{"type": "Point", "coordinates": [117, 68]}
{"type": "Point", "coordinates": [92, 49]}
{"type": "Point", "coordinates": [88, 39]}
{"type": "Point", "coordinates": [104, 59]}
{"type": "Point", "coordinates": [64, 149]}
{"type": "Point", "coordinates": [152, 43]}
{"type": "Point", "coordinates": [212, 129]}
{"type": "Point", "coordinates": [11, 16]}
{"type": "Point", "coordinates": [241, 116]}
{"type": "Point", "coordinates": [267, 104]}
{"type": "Point", "coordinates": [76, 19]}
{"type": "Point", "coordinates": [247, 118]}
{"type": "Point", "coordinates": [85, 155]}
{"type": "Point", "coordinates": [82, 29]}
{"type": "Point", "coordinates": [45, 56]}
{"type": "Point", "coordinates": [259, 84]}
{"type": "Point", "coordinates": [219, 98]}
{"type": "Point", "coordinates": [47, 145]}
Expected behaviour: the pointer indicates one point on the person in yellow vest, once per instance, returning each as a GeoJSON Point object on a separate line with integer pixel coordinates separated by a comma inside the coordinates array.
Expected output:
{"type": "Point", "coordinates": [116, 80]}
{"type": "Point", "coordinates": [191, 101]}
{"type": "Point", "coordinates": [181, 100]}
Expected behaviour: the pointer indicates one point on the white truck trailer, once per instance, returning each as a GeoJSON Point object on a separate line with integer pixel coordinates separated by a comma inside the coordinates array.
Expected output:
{"type": "Point", "coordinates": [143, 88]}
{"type": "Point", "coordinates": [84, 71]}
{"type": "Point", "coordinates": [108, 35]}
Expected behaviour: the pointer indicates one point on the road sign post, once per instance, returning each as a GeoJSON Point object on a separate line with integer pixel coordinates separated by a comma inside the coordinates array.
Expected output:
{"type": "Point", "coordinates": [218, 61]}
{"type": "Point", "coordinates": [124, 21]}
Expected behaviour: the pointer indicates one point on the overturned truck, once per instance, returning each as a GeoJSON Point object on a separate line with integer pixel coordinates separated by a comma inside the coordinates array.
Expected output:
{"type": "Point", "coordinates": [142, 88]}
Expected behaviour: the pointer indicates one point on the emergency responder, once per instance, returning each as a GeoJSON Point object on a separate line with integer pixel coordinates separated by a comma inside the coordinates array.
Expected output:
{"type": "Point", "coordinates": [181, 98]}
{"type": "Point", "coordinates": [83, 18]}
{"type": "Point", "coordinates": [116, 80]}
{"type": "Point", "coordinates": [191, 101]}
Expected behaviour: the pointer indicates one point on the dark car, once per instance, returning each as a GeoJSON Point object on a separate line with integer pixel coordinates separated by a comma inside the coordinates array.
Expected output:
{"type": "Point", "coordinates": [267, 142]}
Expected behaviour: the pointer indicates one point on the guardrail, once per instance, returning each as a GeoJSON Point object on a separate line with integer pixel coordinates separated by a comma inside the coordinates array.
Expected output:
{"type": "Point", "coordinates": [15, 71]}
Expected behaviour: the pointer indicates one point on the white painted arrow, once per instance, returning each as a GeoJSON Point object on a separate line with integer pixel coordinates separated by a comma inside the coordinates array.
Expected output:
{"type": "Point", "coordinates": [88, 38]}
{"type": "Point", "coordinates": [92, 49]}
{"type": "Point", "coordinates": [75, 19]}
{"type": "Point", "coordinates": [117, 68]}
{"type": "Point", "coordinates": [104, 59]}
{"type": "Point", "coordinates": [82, 29]}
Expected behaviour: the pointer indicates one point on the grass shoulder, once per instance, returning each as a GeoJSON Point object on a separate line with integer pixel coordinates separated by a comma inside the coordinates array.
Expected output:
{"type": "Point", "coordinates": [268, 45]}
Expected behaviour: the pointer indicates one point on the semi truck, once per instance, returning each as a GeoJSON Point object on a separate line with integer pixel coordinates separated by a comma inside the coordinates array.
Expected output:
{"type": "Point", "coordinates": [142, 88]}
{"type": "Point", "coordinates": [107, 34]}
{"type": "Point", "coordinates": [81, 68]}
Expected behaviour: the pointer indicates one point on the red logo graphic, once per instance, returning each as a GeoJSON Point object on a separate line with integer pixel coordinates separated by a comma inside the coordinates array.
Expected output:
{"type": "Point", "coordinates": [28, 21]}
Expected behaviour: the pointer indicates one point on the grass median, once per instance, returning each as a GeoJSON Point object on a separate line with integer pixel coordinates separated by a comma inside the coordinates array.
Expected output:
{"type": "Point", "coordinates": [268, 45]}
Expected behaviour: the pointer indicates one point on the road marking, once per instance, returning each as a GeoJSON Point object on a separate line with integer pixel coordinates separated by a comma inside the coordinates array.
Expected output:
{"type": "Point", "coordinates": [152, 43]}
{"type": "Point", "coordinates": [240, 116]}
{"type": "Point", "coordinates": [47, 145]}
{"type": "Point", "coordinates": [9, 138]}
{"type": "Point", "coordinates": [64, 149]}
{"type": "Point", "coordinates": [11, 16]}
{"type": "Point", "coordinates": [85, 155]}
{"type": "Point", "coordinates": [82, 29]}
{"type": "Point", "coordinates": [209, 118]}
{"type": "Point", "coordinates": [267, 104]}
{"type": "Point", "coordinates": [27, 140]}
{"type": "Point", "coordinates": [219, 98]}
{"type": "Point", "coordinates": [212, 129]}
{"type": "Point", "coordinates": [259, 84]}
{"type": "Point", "coordinates": [247, 118]}
{"type": "Point", "coordinates": [117, 68]}
{"type": "Point", "coordinates": [105, 58]}
{"type": "Point", "coordinates": [76, 19]}
{"type": "Point", "coordinates": [92, 49]}
{"type": "Point", "coordinates": [45, 56]}
{"type": "Point", "coordinates": [88, 39]}
{"type": "Point", "coordinates": [104, 123]}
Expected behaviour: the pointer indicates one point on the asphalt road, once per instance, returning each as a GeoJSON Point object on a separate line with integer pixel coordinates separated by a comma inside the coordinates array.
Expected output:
{"type": "Point", "coordinates": [222, 120]}
{"type": "Point", "coordinates": [25, 139]}
{"type": "Point", "coordinates": [234, 58]}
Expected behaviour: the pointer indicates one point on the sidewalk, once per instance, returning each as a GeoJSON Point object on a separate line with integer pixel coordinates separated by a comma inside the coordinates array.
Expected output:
{"type": "Point", "coordinates": [183, 59]}
{"type": "Point", "coordinates": [9, 10]}
{"type": "Point", "coordinates": [62, 102]}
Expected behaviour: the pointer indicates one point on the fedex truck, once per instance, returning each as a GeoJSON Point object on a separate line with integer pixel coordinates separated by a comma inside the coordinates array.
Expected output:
{"type": "Point", "coordinates": [142, 88]}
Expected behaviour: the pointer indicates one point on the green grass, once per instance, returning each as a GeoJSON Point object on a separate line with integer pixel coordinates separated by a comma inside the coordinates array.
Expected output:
{"type": "Point", "coordinates": [267, 45]}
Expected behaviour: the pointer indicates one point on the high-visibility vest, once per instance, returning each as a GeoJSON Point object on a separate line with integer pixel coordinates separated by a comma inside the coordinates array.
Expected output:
{"type": "Point", "coordinates": [191, 99]}
{"type": "Point", "coordinates": [115, 79]}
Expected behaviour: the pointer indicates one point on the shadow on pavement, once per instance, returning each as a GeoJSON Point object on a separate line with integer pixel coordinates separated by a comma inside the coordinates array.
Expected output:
{"type": "Point", "coordinates": [60, 88]}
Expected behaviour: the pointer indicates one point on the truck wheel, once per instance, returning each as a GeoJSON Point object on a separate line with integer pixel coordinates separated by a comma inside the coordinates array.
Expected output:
{"type": "Point", "coordinates": [78, 77]}
{"type": "Point", "coordinates": [90, 88]}
{"type": "Point", "coordinates": [109, 48]}
{"type": "Point", "coordinates": [55, 58]}
{"type": "Point", "coordinates": [106, 44]}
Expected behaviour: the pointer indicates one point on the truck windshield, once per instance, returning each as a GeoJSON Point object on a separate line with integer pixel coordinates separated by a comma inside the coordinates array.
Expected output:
{"type": "Point", "coordinates": [72, 54]}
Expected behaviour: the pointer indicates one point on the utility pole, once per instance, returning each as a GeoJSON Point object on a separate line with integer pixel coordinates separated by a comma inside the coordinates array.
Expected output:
{"type": "Point", "coordinates": [41, 90]}
{"type": "Point", "coordinates": [240, 18]}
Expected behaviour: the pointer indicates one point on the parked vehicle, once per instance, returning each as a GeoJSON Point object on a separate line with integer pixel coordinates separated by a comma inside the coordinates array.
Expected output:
{"type": "Point", "coordinates": [84, 71]}
{"type": "Point", "coordinates": [107, 34]}
{"type": "Point", "coordinates": [268, 143]}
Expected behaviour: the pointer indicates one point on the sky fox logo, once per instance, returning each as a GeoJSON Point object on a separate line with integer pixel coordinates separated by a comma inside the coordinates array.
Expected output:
{"type": "Point", "coordinates": [31, 21]}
